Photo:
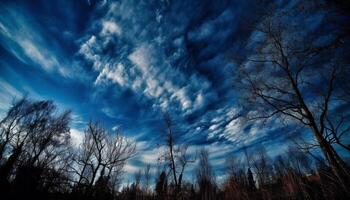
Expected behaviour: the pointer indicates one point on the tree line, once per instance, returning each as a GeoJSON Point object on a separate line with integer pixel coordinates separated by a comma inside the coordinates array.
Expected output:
{"type": "Point", "coordinates": [38, 160]}
{"type": "Point", "coordinates": [37, 157]}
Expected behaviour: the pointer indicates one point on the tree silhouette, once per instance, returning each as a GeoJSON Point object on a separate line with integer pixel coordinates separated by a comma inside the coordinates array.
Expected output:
{"type": "Point", "coordinates": [161, 186]}
{"type": "Point", "coordinates": [278, 79]}
{"type": "Point", "coordinates": [205, 177]}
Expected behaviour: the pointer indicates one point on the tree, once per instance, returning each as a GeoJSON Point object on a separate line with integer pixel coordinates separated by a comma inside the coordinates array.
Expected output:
{"type": "Point", "coordinates": [205, 177]}
{"type": "Point", "coordinates": [260, 163]}
{"type": "Point", "coordinates": [292, 75]}
{"type": "Point", "coordinates": [102, 155]}
{"type": "Point", "coordinates": [147, 178]}
{"type": "Point", "coordinates": [161, 186]}
{"type": "Point", "coordinates": [251, 182]}
{"type": "Point", "coordinates": [175, 155]}
{"type": "Point", "coordinates": [34, 136]}
{"type": "Point", "coordinates": [9, 123]}
{"type": "Point", "coordinates": [138, 176]}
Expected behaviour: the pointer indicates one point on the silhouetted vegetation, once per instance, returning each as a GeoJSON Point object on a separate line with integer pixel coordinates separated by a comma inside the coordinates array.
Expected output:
{"type": "Point", "coordinates": [289, 75]}
{"type": "Point", "coordinates": [39, 161]}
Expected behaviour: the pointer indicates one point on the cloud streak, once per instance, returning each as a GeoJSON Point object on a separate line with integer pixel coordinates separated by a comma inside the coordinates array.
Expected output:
{"type": "Point", "coordinates": [26, 40]}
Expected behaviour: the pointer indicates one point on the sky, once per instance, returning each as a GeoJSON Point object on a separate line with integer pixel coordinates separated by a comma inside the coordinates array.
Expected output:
{"type": "Point", "coordinates": [126, 63]}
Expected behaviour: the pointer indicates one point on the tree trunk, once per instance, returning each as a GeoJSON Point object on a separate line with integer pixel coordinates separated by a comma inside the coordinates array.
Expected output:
{"type": "Point", "coordinates": [338, 166]}
{"type": "Point", "coordinates": [2, 149]}
{"type": "Point", "coordinates": [6, 169]}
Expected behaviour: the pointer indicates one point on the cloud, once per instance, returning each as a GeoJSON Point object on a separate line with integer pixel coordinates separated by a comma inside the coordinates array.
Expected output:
{"type": "Point", "coordinates": [39, 56]}
{"type": "Point", "coordinates": [110, 27]}
{"type": "Point", "coordinates": [87, 49]}
{"type": "Point", "coordinates": [141, 57]}
{"type": "Point", "coordinates": [114, 74]}
{"type": "Point", "coordinates": [131, 169]}
{"type": "Point", "coordinates": [183, 72]}
{"type": "Point", "coordinates": [157, 86]}
{"type": "Point", "coordinates": [77, 121]}
{"type": "Point", "coordinates": [214, 29]}
{"type": "Point", "coordinates": [28, 41]}
{"type": "Point", "coordinates": [7, 94]}
{"type": "Point", "coordinates": [77, 137]}
{"type": "Point", "coordinates": [132, 50]}
{"type": "Point", "coordinates": [145, 69]}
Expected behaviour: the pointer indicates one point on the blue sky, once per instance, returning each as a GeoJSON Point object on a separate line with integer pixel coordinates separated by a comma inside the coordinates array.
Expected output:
{"type": "Point", "coordinates": [124, 63]}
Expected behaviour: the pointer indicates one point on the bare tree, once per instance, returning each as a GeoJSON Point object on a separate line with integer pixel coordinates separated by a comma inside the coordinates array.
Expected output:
{"type": "Point", "coordinates": [44, 146]}
{"type": "Point", "coordinates": [292, 76]}
{"type": "Point", "coordinates": [233, 165]}
{"type": "Point", "coordinates": [161, 186]}
{"type": "Point", "coordinates": [102, 154]}
{"type": "Point", "coordinates": [32, 134]}
{"type": "Point", "coordinates": [260, 163]}
{"type": "Point", "coordinates": [9, 124]}
{"type": "Point", "coordinates": [337, 129]}
{"type": "Point", "coordinates": [205, 177]}
{"type": "Point", "coordinates": [176, 155]}
{"type": "Point", "coordinates": [138, 176]}
{"type": "Point", "coordinates": [147, 178]}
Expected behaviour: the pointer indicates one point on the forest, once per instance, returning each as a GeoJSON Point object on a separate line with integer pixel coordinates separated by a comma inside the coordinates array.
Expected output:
{"type": "Point", "coordinates": [289, 73]}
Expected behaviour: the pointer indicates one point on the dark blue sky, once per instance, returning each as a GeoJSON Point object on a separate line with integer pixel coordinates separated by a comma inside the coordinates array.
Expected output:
{"type": "Point", "coordinates": [124, 63]}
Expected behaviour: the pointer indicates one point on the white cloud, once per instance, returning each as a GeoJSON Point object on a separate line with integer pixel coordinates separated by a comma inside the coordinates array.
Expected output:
{"type": "Point", "coordinates": [109, 112]}
{"type": "Point", "coordinates": [25, 39]}
{"type": "Point", "coordinates": [148, 153]}
{"type": "Point", "coordinates": [115, 74]}
{"type": "Point", "coordinates": [232, 128]}
{"type": "Point", "coordinates": [159, 83]}
{"type": "Point", "coordinates": [143, 76]}
{"type": "Point", "coordinates": [110, 28]}
{"type": "Point", "coordinates": [130, 169]}
{"type": "Point", "coordinates": [116, 128]}
{"type": "Point", "coordinates": [77, 121]}
{"type": "Point", "coordinates": [39, 56]}
{"type": "Point", "coordinates": [150, 156]}
{"type": "Point", "coordinates": [151, 74]}
{"type": "Point", "coordinates": [8, 89]}
{"type": "Point", "coordinates": [140, 57]}
{"type": "Point", "coordinates": [7, 95]}
{"type": "Point", "coordinates": [87, 49]}
{"type": "Point", "coordinates": [77, 137]}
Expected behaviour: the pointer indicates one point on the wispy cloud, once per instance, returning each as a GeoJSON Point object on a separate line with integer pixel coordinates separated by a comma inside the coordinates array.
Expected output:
{"type": "Point", "coordinates": [130, 51]}
{"type": "Point", "coordinates": [77, 137]}
{"type": "Point", "coordinates": [27, 41]}
{"type": "Point", "coordinates": [143, 66]}
{"type": "Point", "coordinates": [7, 94]}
